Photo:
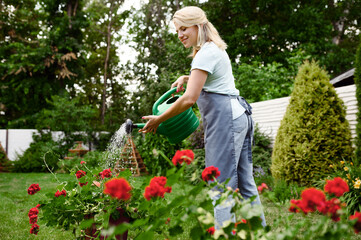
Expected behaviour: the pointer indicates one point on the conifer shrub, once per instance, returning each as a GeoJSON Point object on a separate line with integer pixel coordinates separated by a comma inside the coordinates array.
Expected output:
{"type": "Point", "coordinates": [314, 132]}
{"type": "Point", "coordinates": [357, 78]}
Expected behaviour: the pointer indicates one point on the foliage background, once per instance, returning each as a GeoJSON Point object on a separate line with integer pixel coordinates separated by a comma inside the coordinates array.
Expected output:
{"type": "Point", "coordinates": [60, 59]}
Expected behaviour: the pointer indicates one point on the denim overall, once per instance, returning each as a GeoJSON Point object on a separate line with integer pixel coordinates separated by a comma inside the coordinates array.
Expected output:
{"type": "Point", "coordinates": [228, 146]}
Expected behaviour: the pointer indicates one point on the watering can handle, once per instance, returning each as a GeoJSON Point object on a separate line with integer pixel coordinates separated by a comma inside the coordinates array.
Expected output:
{"type": "Point", "coordinates": [162, 99]}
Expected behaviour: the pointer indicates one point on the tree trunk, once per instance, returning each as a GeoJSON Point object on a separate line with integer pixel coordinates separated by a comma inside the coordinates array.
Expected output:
{"type": "Point", "coordinates": [106, 62]}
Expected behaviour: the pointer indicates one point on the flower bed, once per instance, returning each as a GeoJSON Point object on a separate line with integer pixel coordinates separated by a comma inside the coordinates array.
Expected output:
{"type": "Point", "coordinates": [91, 204]}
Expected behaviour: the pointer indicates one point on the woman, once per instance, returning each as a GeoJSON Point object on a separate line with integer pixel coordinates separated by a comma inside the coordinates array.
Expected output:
{"type": "Point", "coordinates": [226, 116]}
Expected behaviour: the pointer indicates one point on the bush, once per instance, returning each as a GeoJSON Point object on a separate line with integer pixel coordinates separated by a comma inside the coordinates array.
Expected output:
{"type": "Point", "coordinates": [93, 160]}
{"type": "Point", "coordinates": [32, 159]}
{"type": "Point", "coordinates": [155, 163]}
{"type": "Point", "coordinates": [314, 132]}
{"type": "Point", "coordinates": [261, 151]}
{"type": "Point", "coordinates": [5, 164]}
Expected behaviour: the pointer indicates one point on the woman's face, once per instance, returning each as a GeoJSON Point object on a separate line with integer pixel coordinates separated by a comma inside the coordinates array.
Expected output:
{"type": "Point", "coordinates": [187, 35]}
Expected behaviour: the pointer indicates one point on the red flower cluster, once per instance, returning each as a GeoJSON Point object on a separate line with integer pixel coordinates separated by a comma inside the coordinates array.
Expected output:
{"type": "Point", "coordinates": [106, 173]}
{"type": "Point", "coordinates": [34, 188]}
{"type": "Point", "coordinates": [357, 226]}
{"type": "Point", "coordinates": [210, 172]}
{"type": "Point", "coordinates": [60, 193]}
{"type": "Point", "coordinates": [313, 199]}
{"type": "Point", "coordinates": [82, 162]}
{"type": "Point", "coordinates": [211, 230]}
{"type": "Point", "coordinates": [262, 187]}
{"type": "Point", "coordinates": [33, 219]}
{"type": "Point", "coordinates": [337, 186]}
{"type": "Point", "coordinates": [80, 174]}
{"type": "Point", "coordinates": [118, 188]}
{"type": "Point", "coordinates": [181, 156]}
{"type": "Point", "coordinates": [156, 188]}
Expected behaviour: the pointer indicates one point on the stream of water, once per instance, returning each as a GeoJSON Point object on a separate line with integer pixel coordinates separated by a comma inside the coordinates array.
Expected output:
{"type": "Point", "coordinates": [115, 147]}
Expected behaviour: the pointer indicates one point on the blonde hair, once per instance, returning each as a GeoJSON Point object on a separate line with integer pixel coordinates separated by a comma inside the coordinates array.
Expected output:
{"type": "Point", "coordinates": [194, 16]}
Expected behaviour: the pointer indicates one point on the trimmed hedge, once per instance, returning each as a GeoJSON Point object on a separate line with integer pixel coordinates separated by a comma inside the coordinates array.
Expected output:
{"type": "Point", "coordinates": [314, 132]}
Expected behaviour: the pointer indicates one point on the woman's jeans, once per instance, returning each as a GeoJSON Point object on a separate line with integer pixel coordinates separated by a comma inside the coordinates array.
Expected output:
{"type": "Point", "coordinates": [246, 184]}
{"type": "Point", "coordinates": [228, 146]}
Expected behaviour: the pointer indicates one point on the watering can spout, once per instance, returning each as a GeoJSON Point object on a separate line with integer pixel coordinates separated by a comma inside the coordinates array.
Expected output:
{"type": "Point", "coordinates": [129, 126]}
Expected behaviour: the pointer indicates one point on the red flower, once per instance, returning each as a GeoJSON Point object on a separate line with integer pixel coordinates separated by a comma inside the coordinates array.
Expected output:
{"type": "Point", "coordinates": [82, 184]}
{"type": "Point", "coordinates": [33, 219]}
{"type": "Point", "coordinates": [183, 156]}
{"type": "Point", "coordinates": [34, 188]}
{"type": "Point", "coordinates": [82, 162]}
{"type": "Point", "coordinates": [80, 174]}
{"type": "Point", "coordinates": [38, 205]}
{"type": "Point", "coordinates": [211, 230]}
{"type": "Point", "coordinates": [60, 193]}
{"type": "Point", "coordinates": [156, 188]}
{"type": "Point", "coordinates": [312, 198]}
{"type": "Point", "coordinates": [107, 173]}
{"type": "Point", "coordinates": [331, 209]}
{"type": "Point", "coordinates": [337, 186]}
{"type": "Point", "coordinates": [33, 211]}
{"type": "Point", "coordinates": [34, 229]}
{"type": "Point", "coordinates": [262, 187]}
{"type": "Point", "coordinates": [210, 172]}
{"type": "Point", "coordinates": [357, 226]}
{"type": "Point", "coordinates": [118, 188]}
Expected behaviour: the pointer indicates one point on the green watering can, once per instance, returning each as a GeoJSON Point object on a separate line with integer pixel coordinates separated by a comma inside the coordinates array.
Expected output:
{"type": "Point", "coordinates": [176, 128]}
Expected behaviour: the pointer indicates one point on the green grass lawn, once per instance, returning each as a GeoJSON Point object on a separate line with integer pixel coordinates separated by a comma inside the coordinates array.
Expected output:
{"type": "Point", "coordinates": [15, 204]}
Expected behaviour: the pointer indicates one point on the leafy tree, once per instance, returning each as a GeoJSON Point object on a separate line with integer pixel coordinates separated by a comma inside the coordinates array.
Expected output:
{"type": "Point", "coordinates": [358, 97]}
{"type": "Point", "coordinates": [268, 31]}
{"type": "Point", "coordinates": [40, 43]}
{"type": "Point", "coordinates": [258, 82]}
{"type": "Point", "coordinates": [314, 132]}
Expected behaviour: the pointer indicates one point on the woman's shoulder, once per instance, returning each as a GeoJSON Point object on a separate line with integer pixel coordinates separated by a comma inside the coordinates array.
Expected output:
{"type": "Point", "coordinates": [210, 46]}
{"type": "Point", "coordinates": [209, 49]}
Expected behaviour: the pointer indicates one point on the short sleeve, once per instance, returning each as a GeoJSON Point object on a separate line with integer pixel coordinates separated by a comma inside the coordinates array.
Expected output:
{"type": "Point", "coordinates": [206, 60]}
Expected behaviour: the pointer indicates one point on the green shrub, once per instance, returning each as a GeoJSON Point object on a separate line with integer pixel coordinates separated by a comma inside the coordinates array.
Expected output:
{"type": "Point", "coordinates": [194, 170]}
{"type": "Point", "coordinates": [284, 192]}
{"type": "Point", "coordinates": [262, 151]}
{"type": "Point", "coordinates": [32, 158]}
{"type": "Point", "coordinates": [5, 164]}
{"type": "Point", "coordinates": [93, 160]}
{"type": "Point", "coordinates": [358, 97]}
{"type": "Point", "coordinates": [146, 146]}
{"type": "Point", "coordinates": [314, 132]}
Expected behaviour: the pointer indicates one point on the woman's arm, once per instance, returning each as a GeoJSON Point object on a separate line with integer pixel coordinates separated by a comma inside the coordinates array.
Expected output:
{"type": "Point", "coordinates": [194, 87]}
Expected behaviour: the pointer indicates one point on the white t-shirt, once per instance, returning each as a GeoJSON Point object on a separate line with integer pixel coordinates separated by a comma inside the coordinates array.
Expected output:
{"type": "Point", "coordinates": [216, 62]}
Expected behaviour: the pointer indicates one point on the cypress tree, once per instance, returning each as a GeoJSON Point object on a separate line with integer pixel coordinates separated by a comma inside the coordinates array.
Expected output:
{"type": "Point", "coordinates": [357, 78]}
{"type": "Point", "coordinates": [314, 132]}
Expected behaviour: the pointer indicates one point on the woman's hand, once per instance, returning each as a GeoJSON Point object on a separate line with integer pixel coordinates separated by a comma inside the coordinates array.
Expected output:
{"type": "Point", "coordinates": [179, 83]}
{"type": "Point", "coordinates": [151, 125]}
